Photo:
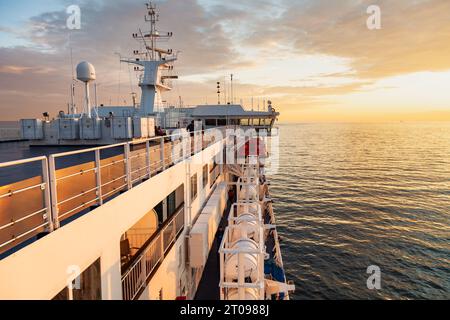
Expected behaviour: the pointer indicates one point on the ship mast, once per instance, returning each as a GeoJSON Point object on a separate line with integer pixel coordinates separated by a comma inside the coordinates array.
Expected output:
{"type": "Point", "coordinates": [155, 64]}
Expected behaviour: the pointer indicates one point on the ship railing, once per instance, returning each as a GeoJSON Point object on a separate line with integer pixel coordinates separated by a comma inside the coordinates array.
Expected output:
{"type": "Point", "coordinates": [72, 183]}
{"type": "Point", "coordinates": [137, 275]}
{"type": "Point", "coordinates": [277, 248]}
{"type": "Point", "coordinates": [94, 181]}
{"type": "Point", "coordinates": [139, 236]}
{"type": "Point", "coordinates": [22, 219]}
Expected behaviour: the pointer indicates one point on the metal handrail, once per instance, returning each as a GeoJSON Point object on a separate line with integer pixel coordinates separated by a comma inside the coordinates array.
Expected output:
{"type": "Point", "coordinates": [22, 161]}
{"type": "Point", "coordinates": [165, 159]}
{"type": "Point", "coordinates": [134, 279]}
{"type": "Point", "coordinates": [49, 173]}
{"type": "Point", "coordinates": [45, 211]}
{"type": "Point", "coordinates": [11, 193]}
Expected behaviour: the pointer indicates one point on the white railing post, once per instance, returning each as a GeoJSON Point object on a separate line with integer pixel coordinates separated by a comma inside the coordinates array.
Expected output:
{"type": "Point", "coordinates": [98, 172]}
{"type": "Point", "coordinates": [148, 160]}
{"type": "Point", "coordinates": [128, 165]}
{"type": "Point", "coordinates": [143, 272]}
{"type": "Point", "coordinates": [162, 243]}
{"type": "Point", "coordinates": [53, 192]}
{"type": "Point", "coordinates": [162, 151]}
{"type": "Point", "coordinates": [47, 200]}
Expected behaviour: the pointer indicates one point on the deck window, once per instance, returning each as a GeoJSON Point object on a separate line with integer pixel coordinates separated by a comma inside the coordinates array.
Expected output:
{"type": "Point", "coordinates": [137, 236]}
{"type": "Point", "coordinates": [214, 172]}
{"type": "Point", "coordinates": [266, 122]}
{"type": "Point", "coordinates": [171, 204]}
{"type": "Point", "coordinates": [86, 287]}
{"type": "Point", "coordinates": [205, 176]}
{"type": "Point", "coordinates": [194, 190]}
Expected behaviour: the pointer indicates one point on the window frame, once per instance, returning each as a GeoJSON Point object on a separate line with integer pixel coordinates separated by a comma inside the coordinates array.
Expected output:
{"type": "Point", "coordinates": [205, 177]}
{"type": "Point", "coordinates": [194, 190]}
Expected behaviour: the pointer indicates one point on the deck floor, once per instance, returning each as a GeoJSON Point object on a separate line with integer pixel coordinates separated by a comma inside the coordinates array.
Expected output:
{"type": "Point", "coordinates": [208, 288]}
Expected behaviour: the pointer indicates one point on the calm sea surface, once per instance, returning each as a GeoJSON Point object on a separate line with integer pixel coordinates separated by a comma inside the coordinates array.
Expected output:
{"type": "Point", "coordinates": [348, 196]}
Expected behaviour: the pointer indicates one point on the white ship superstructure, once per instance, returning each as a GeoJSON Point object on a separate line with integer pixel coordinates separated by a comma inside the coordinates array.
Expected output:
{"type": "Point", "coordinates": [103, 125]}
{"type": "Point", "coordinates": [181, 216]}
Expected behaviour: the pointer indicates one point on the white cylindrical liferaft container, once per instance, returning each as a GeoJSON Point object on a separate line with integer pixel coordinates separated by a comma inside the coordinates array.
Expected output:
{"type": "Point", "coordinates": [248, 192]}
{"type": "Point", "coordinates": [251, 294]}
{"type": "Point", "coordinates": [250, 208]}
{"type": "Point", "coordinates": [250, 261]}
{"type": "Point", "coordinates": [248, 223]}
{"type": "Point", "coordinates": [246, 227]}
{"type": "Point", "coordinates": [250, 172]}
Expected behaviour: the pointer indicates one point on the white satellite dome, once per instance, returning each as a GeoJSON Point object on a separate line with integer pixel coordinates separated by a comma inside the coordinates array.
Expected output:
{"type": "Point", "coordinates": [85, 72]}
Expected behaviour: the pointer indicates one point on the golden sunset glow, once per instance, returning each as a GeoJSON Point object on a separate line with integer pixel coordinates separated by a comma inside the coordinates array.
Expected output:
{"type": "Point", "coordinates": [316, 60]}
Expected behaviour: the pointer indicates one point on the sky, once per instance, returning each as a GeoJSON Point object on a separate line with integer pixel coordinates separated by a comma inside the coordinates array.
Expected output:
{"type": "Point", "coordinates": [316, 60]}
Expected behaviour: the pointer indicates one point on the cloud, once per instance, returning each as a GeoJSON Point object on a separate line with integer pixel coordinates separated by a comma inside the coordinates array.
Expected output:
{"type": "Point", "coordinates": [44, 65]}
{"type": "Point", "coordinates": [414, 35]}
{"type": "Point", "coordinates": [215, 37]}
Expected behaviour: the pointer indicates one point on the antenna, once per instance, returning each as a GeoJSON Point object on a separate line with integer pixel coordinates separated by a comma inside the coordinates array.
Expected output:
{"type": "Point", "coordinates": [153, 64]}
{"type": "Point", "coordinates": [120, 77]}
{"type": "Point", "coordinates": [218, 92]}
{"type": "Point", "coordinates": [96, 101]}
{"type": "Point", "coordinates": [232, 95]}
{"type": "Point", "coordinates": [225, 90]}
{"type": "Point", "coordinates": [73, 109]}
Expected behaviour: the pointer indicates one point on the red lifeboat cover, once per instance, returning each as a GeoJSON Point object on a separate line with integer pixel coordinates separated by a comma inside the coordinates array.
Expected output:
{"type": "Point", "coordinates": [249, 148]}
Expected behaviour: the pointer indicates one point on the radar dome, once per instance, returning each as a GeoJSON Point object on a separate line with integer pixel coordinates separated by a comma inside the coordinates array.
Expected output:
{"type": "Point", "coordinates": [85, 72]}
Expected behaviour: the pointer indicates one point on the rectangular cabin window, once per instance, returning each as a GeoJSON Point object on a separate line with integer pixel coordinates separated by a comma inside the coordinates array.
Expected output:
{"type": "Point", "coordinates": [194, 190]}
{"type": "Point", "coordinates": [137, 236]}
{"type": "Point", "coordinates": [63, 295]}
{"type": "Point", "coordinates": [180, 256]}
{"type": "Point", "coordinates": [210, 122]}
{"type": "Point", "coordinates": [266, 122]}
{"type": "Point", "coordinates": [173, 201]}
{"type": "Point", "coordinates": [160, 212]}
{"type": "Point", "coordinates": [86, 287]}
{"type": "Point", "coordinates": [171, 204]}
{"type": "Point", "coordinates": [245, 122]}
{"type": "Point", "coordinates": [221, 122]}
{"type": "Point", "coordinates": [205, 176]}
{"type": "Point", "coordinates": [214, 172]}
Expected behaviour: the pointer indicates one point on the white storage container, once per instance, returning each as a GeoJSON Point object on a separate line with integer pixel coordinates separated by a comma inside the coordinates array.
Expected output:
{"type": "Point", "coordinates": [122, 128]}
{"type": "Point", "coordinates": [212, 226]}
{"type": "Point", "coordinates": [69, 129]}
{"type": "Point", "coordinates": [198, 245]}
{"type": "Point", "coordinates": [140, 127]}
{"type": "Point", "coordinates": [90, 129]}
{"type": "Point", "coordinates": [215, 213]}
{"type": "Point", "coordinates": [151, 127]}
{"type": "Point", "coordinates": [32, 129]}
